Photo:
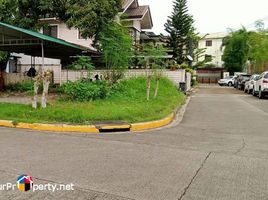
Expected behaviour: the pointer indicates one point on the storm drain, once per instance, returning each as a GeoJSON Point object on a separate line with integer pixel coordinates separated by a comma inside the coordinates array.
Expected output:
{"type": "Point", "coordinates": [110, 127]}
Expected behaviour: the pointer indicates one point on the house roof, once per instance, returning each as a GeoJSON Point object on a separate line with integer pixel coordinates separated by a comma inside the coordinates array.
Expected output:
{"type": "Point", "coordinates": [218, 35]}
{"type": "Point", "coordinates": [126, 4]}
{"type": "Point", "coordinates": [19, 40]}
{"type": "Point", "coordinates": [148, 36]}
{"type": "Point", "coordinates": [138, 12]}
{"type": "Point", "coordinates": [141, 13]}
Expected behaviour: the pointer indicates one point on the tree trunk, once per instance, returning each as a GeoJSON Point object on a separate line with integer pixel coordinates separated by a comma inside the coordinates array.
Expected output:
{"type": "Point", "coordinates": [148, 87]}
{"type": "Point", "coordinates": [35, 97]}
{"type": "Point", "coordinates": [46, 83]}
{"type": "Point", "coordinates": [148, 76]}
{"type": "Point", "coordinates": [157, 85]}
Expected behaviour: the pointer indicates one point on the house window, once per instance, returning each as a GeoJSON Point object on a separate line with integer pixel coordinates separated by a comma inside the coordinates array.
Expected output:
{"type": "Point", "coordinates": [208, 58]}
{"type": "Point", "coordinates": [80, 37]}
{"type": "Point", "coordinates": [208, 43]}
{"type": "Point", "coordinates": [51, 31]}
{"type": "Point", "coordinates": [135, 35]}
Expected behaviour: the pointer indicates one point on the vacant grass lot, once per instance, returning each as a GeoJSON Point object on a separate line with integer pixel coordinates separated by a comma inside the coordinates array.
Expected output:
{"type": "Point", "coordinates": [127, 104]}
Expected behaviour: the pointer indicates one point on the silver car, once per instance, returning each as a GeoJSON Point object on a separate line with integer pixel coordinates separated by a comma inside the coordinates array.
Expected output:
{"type": "Point", "coordinates": [249, 85]}
{"type": "Point", "coordinates": [229, 81]}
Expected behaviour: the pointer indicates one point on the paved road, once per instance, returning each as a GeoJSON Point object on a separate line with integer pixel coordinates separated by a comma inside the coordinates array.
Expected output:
{"type": "Point", "coordinates": [219, 151]}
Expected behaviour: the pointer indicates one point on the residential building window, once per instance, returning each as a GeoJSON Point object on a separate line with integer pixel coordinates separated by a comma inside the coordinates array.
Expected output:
{"type": "Point", "coordinates": [135, 35]}
{"type": "Point", "coordinates": [208, 43]}
{"type": "Point", "coordinates": [208, 58]}
{"type": "Point", "coordinates": [51, 31]}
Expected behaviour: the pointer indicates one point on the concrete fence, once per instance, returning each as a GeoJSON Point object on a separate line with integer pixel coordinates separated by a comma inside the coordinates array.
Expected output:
{"type": "Point", "coordinates": [71, 75]}
{"type": "Point", "coordinates": [12, 78]}
{"type": "Point", "coordinates": [61, 76]}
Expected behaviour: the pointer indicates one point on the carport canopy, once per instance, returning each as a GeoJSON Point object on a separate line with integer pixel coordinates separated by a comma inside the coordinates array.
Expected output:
{"type": "Point", "coordinates": [19, 40]}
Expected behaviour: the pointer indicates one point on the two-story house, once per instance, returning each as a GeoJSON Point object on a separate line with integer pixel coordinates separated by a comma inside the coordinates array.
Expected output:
{"type": "Point", "coordinates": [133, 16]}
{"type": "Point", "coordinates": [212, 43]}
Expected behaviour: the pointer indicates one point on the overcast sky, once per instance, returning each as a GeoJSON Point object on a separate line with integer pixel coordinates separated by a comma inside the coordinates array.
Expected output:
{"type": "Point", "coordinates": [212, 15]}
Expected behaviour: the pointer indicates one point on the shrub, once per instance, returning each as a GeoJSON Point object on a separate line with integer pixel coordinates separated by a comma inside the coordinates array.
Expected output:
{"type": "Point", "coordinates": [83, 90]}
{"type": "Point", "coordinates": [194, 83]}
{"type": "Point", "coordinates": [25, 86]}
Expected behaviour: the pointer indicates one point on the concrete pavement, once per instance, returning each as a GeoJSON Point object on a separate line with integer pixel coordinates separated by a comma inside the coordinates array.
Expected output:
{"type": "Point", "coordinates": [218, 151]}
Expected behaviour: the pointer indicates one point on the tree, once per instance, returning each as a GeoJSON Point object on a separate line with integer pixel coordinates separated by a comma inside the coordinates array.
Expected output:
{"type": "Point", "coordinates": [26, 13]}
{"type": "Point", "coordinates": [91, 17]}
{"type": "Point", "coordinates": [116, 45]}
{"type": "Point", "coordinates": [259, 25]}
{"type": "Point", "coordinates": [152, 59]}
{"type": "Point", "coordinates": [180, 28]}
{"type": "Point", "coordinates": [258, 53]}
{"type": "Point", "coordinates": [236, 51]}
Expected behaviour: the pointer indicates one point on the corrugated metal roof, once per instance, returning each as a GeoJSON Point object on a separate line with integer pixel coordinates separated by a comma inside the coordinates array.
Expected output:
{"type": "Point", "coordinates": [19, 40]}
{"type": "Point", "coordinates": [42, 36]}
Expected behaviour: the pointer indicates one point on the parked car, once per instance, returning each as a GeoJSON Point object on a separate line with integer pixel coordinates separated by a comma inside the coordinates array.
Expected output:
{"type": "Point", "coordinates": [249, 85]}
{"type": "Point", "coordinates": [241, 80]}
{"type": "Point", "coordinates": [236, 77]}
{"type": "Point", "coordinates": [261, 86]}
{"type": "Point", "coordinates": [235, 81]}
{"type": "Point", "coordinates": [227, 81]}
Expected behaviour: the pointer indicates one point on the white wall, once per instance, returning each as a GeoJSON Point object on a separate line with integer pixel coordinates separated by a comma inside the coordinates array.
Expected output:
{"type": "Point", "coordinates": [25, 59]}
{"type": "Point", "coordinates": [72, 35]}
{"type": "Point", "coordinates": [216, 50]}
{"type": "Point", "coordinates": [70, 75]}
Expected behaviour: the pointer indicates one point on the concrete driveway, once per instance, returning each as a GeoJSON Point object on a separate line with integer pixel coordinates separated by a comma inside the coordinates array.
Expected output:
{"type": "Point", "coordinates": [219, 151]}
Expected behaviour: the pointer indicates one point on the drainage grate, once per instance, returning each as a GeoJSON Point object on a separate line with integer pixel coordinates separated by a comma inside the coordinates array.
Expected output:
{"type": "Point", "coordinates": [109, 127]}
{"type": "Point", "coordinates": [114, 130]}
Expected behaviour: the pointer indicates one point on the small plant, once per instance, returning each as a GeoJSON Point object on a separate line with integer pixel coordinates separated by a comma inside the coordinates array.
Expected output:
{"type": "Point", "coordinates": [83, 62]}
{"type": "Point", "coordinates": [194, 83]}
{"type": "Point", "coordinates": [184, 66]}
{"type": "Point", "coordinates": [25, 86]}
{"type": "Point", "coordinates": [85, 91]}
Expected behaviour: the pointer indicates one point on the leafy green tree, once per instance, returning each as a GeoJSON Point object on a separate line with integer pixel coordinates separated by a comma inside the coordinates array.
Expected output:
{"type": "Point", "coordinates": [258, 53]}
{"type": "Point", "coordinates": [91, 17]}
{"type": "Point", "coordinates": [236, 51]}
{"type": "Point", "coordinates": [180, 28]}
{"type": "Point", "coordinates": [26, 13]}
{"type": "Point", "coordinates": [116, 45]}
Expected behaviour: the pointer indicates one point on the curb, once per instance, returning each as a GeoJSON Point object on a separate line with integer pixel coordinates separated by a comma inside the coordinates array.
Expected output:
{"type": "Point", "coordinates": [153, 124]}
{"type": "Point", "coordinates": [87, 129]}
{"type": "Point", "coordinates": [50, 127]}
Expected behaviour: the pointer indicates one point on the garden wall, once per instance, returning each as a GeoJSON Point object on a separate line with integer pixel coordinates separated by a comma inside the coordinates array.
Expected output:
{"type": "Point", "coordinates": [55, 68]}
{"type": "Point", "coordinates": [62, 76]}
{"type": "Point", "coordinates": [11, 78]}
{"type": "Point", "coordinates": [72, 75]}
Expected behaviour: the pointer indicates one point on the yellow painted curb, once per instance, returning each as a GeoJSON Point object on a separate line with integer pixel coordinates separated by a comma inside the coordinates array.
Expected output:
{"type": "Point", "coordinates": [50, 127]}
{"type": "Point", "coordinates": [88, 129]}
{"type": "Point", "coordinates": [6, 123]}
{"type": "Point", "coordinates": [152, 124]}
{"type": "Point", "coordinates": [58, 128]}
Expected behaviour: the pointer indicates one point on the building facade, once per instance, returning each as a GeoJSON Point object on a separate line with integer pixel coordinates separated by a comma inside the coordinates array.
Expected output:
{"type": "Point", "coordinates": [212, 43]}
{"type": "Point", "coordinates": [132, 15]}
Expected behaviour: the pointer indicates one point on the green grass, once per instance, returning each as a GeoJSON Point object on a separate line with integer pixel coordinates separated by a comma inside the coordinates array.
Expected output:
{"type": "Point", "coordinates": [126, 104]}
